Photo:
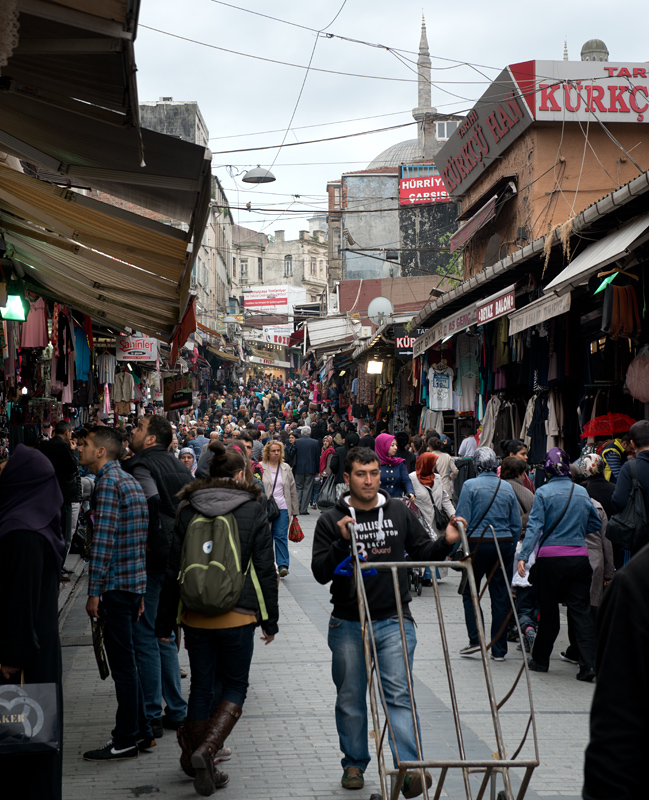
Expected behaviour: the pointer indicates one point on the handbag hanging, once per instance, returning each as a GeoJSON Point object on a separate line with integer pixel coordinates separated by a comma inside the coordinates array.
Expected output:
{"type": "Point", "coordinates": [532, 572]}
{"type": "Point", "coordinates": [272, 509]}
{"type": "Point", "coordinates": [29, 718]}
{"type": "Point", "coordinates": [441, 517]}
{"type": "Point", "coordinates": [327, 496]}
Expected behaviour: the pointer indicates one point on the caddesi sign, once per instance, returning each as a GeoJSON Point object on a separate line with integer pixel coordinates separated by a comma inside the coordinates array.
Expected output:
{"type": "Point", "coordinates": [131, 349]}
{"type": "Point", "coordinates": [177, 391]}
{"type": "Point", "coordinates": [496, 307]}
{"type": "Point", "coordinates": [419, 190]}
{"type": "Point", "coordinates": [579, 91]}
{"type": "Point", "coordinates": [404, 341]}
{"type": "Point", "coordinates": [498, 119]}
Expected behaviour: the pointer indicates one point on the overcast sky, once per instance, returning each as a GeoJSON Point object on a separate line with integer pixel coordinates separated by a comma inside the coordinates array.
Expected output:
{"type": "Point", "coordinates": [240, 97]}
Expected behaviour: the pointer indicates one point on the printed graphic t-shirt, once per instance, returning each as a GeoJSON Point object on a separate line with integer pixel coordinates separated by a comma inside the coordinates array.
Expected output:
{"type": "Point", "coordinates": [440, 389]}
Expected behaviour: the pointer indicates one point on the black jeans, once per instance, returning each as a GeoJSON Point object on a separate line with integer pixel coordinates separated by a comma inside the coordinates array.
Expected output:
{"type": "Point", "coordinates": [119, 612]}
{"type": "Point", "coordinates": [484, 558]}
{"type": "Point", "coordinates": [217, 658]}
{"type": "Point", "coordinates": [564, 579]}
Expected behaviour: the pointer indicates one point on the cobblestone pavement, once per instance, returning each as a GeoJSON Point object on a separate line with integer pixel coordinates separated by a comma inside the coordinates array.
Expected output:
{"type": "Point", "coordinates": [285, 745]}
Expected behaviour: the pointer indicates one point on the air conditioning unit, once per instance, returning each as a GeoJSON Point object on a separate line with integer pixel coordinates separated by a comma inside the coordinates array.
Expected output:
{"type": "Point", "coordinates": [366, 331]}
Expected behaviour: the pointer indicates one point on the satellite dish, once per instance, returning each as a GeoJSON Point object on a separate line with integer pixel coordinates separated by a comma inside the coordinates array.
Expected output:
{"type": "Point", "coordinates": [379, 309]}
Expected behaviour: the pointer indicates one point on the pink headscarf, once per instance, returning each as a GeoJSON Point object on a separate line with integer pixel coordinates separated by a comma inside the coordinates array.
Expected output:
{"type": "Point", "coordinates": [382, 445]}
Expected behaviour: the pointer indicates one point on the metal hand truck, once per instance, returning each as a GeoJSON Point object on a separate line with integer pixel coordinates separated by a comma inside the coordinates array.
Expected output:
{"type": "Point", "coordinates": [489, 769]}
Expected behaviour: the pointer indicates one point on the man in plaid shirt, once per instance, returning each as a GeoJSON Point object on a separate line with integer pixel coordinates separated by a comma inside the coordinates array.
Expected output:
{"type": "Point", "coordinates": [116, 585]}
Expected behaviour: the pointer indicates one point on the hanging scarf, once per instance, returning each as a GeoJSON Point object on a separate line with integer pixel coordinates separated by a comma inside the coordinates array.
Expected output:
{"type": "Point", "coordinates": [425, 469]}
{"type": "Point", "coordinates": [327, 449]}
{"type": "Point", "coordinates": [382, 446]}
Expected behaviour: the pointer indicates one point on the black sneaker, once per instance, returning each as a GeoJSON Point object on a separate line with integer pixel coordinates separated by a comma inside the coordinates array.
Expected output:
{"type": "Point", "coordinates": [157, 728]}
{"type": "Point", "coordinates": [171, 724]}
{"type": "Point", "coordinates": [534, 666]}
{"type": "Point", "coordinates": [586, 674]}
{"type": "Point", "coordinates": [470, 649]}
{"type": "Point", "coordinates": [146, 744]}
{"type": "Point", "coordinates": [565, 655]}
{"type": "Point", "coordinates": [111, 753]}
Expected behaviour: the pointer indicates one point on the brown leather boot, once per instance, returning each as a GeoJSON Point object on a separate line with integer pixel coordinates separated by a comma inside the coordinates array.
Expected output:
{"type": "Point", "coordinates": [208, 778]}
{"type": "Point", "coordinates": [190, 735]}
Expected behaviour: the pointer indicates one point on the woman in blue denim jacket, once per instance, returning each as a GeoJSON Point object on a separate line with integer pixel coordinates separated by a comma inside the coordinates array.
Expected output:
{"type": "Point", "coordinates": [487, 493]}
{"type": "Point", "coordinates": [563, 571]}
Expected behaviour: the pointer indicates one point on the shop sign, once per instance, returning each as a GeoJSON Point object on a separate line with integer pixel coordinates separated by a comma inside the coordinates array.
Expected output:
{"type": "Point", "coordinates": [493, 124]}
{"type": "Point", "coordinates": [583, 91]}
{"type": "Point", "coordinates": [131, 349]}
{"type": "Point", "coordinates": [277, 334]}
{"type": "Point", "coordinates": [404, 340]}
{"type": "Point", "coordinates": [538, 311]}
{"type": "Point", "coordinates": [448, 327]}
{"type": "Point", "coordinates": [267, 299]}
{"type": "Point", "coordinates": [422, 189]}
{"type": "Point", "coordinates": [177, 391]}
{"type": "Point", "coordinates": [496, 307]}
{"type": "Point", "coordinates": [268, 362]}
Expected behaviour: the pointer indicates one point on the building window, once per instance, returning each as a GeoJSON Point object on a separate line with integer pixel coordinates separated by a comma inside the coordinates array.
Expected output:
{"type": "Point", "coordinates": [288, 266]}
{"type": "Point", "coordinates": [313, 268]}
{"type": "Point", "coordinates": [321, 269]}
{"type": "Point", "coordinates": [445, 129]}
{"type": "Point", "coordinates": [260, 269]}
{"type": "Point", "coordinates": [243, 263]}
{"type": "Point", "coordinates": [234, 267]}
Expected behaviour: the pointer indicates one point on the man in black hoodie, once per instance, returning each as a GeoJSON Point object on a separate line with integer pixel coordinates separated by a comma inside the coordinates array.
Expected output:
{"type": "Point", "coordinates": [161, 477]}
{"type": "Point", "coordinates": [385, 529]}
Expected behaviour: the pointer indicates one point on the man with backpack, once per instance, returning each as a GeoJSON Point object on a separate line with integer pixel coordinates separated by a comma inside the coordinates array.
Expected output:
{"type": "Point", "coordinates": [161, 477]}
{"type": "Point", "coordinates": [635, 469]}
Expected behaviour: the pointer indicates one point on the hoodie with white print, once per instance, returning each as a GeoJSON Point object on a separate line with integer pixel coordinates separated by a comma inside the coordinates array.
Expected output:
{"type": "Point", "coordinates": [384, 533]}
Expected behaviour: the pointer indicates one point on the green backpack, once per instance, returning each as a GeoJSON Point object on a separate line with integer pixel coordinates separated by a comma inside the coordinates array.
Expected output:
{"type": "Point", "coordinates": [211, 578]}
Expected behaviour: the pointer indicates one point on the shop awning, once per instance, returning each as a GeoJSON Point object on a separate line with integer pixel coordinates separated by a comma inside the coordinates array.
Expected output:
{"type": "Point", "coordinates": [202, 327]}
{"type": "Point", "coordinates": [612, 247]}
{"type": "Point", "coordinates": [109, 263]}
{"type": "Point", "coordinates": [222, 354]}
{"type": "Point", "coordinates": [484, 215]}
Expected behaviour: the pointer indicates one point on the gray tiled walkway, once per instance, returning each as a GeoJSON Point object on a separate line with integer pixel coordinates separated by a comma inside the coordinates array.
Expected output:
{"type": "Point", "coordinates": [285, 745]}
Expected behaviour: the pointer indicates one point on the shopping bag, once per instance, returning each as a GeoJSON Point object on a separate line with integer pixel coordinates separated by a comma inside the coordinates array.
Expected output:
{"type": "Point", "coordinates": [98, 645]}
{"type": "Point", "coordinates": [295, 531]}
{"type": "Point", "coordinates": [327, 495]}
{"type": "Point", "coordinates": [29, 718]}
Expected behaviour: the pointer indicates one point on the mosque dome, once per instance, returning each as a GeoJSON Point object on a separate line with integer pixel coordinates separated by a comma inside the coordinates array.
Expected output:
{"type": "Point", "coordinates": [397, 154]}
{"type": "Point", "coordinates": [594, 50]}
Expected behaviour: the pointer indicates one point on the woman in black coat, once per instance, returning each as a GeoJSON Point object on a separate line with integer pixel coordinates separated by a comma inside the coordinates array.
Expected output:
{"type": "Point", "coordinates": [31, 556]}
{"type": "Point", "coordinates": [220, 647]}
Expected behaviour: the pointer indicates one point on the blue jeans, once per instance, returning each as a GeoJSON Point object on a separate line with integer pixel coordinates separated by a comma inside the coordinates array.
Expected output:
{"type": "Point", "coordinates": [350, 677]}
{"type": "Point", "coordinates": [157, 661]}
{"type": "Point", "coordinates": [527, 607]}
{"type": "Point", "coordinates": [317, 485]}
{"type": "Point", "coordinates": [119, 610]}
{"type": "Point", "coordinates": [279, 529]}
{"type": "Point", "coordinates": [483, 562]}
{"type": "Point", "coordinates": [220, 657]}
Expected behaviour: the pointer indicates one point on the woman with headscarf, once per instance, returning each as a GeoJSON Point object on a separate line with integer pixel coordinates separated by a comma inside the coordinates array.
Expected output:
{"type": "Point", "coordinates": [445, 464]}
{"type": "Point", "coordinates": [188, 457]}
{"type": "Point", "coordinates": [486, 501]}
{"type": "Point", "coordinates": [32, 549]}
{"type": "Point", "coordinates": [561, 517]}
{"type": "Point", "coordinates": [394, 475]}
{"type": "Point", "coordinates": [326, 456]}
{"type": "Point", "coordinates": [596, 485]}
{"type": "Point", "coordinates": [429, 495]}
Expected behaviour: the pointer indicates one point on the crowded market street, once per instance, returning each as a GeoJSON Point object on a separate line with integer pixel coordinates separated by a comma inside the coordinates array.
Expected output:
{"type": "Point", "coordinates": [286, 744]}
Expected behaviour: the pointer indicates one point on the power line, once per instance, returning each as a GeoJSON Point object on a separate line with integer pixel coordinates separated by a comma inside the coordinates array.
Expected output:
{"type": "Point", "coordinates": [313, 141]}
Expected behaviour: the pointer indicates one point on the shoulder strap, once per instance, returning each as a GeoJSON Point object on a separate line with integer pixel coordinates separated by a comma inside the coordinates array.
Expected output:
{"type": "Point", "coordinates": [491, 502]}
{"type": "Point", "coordinates": [279, 466]}
{"type": "Point", "coordinates": [561, 516]}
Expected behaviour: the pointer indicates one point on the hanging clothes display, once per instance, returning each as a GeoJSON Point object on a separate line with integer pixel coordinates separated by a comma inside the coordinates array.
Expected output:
{"type": "Point", "coordinates": [106, 368]}
{"type": "Point", "coordinates": [123, 387]}
{"type": "Point", "coordinates": [466, 363]}
{"type": "Point", "coordinates": [440, 387]}
{"type": "Point", "coordinates": [34, 332]}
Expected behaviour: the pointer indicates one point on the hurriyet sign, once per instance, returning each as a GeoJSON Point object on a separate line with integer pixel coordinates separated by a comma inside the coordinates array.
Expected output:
{"type": "Point", "coordinates": [417, 189]}
{"type": "Point", "coordinates": [131, 349]}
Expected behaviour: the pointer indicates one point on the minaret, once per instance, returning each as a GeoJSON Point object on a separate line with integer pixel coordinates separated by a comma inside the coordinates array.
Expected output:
{"type": "Point", "coordinates": [565, 50]}
{"type": "Point", "coordinates": [424, 107]}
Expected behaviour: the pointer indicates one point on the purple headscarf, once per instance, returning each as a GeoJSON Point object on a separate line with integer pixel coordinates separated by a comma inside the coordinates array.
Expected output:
{"type": "Point", "coordinates": [557, 463]}
{"type": "Point", "coordinates": [31, 500]}
{"type": "Point", "coordinates": [382, 445]}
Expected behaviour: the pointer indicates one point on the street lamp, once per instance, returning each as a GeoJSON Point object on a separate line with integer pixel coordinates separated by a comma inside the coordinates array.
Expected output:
{"type": "Point", "coordinates": [258, 175]}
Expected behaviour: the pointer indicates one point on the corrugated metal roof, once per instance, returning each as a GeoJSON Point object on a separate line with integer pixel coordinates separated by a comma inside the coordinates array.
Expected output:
{"type": "Point", "coordinates": [331, 329]}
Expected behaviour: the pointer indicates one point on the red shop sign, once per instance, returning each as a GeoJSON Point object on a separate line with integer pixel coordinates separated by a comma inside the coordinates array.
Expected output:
{"type": "Point", "coordinates": [496, 307]}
